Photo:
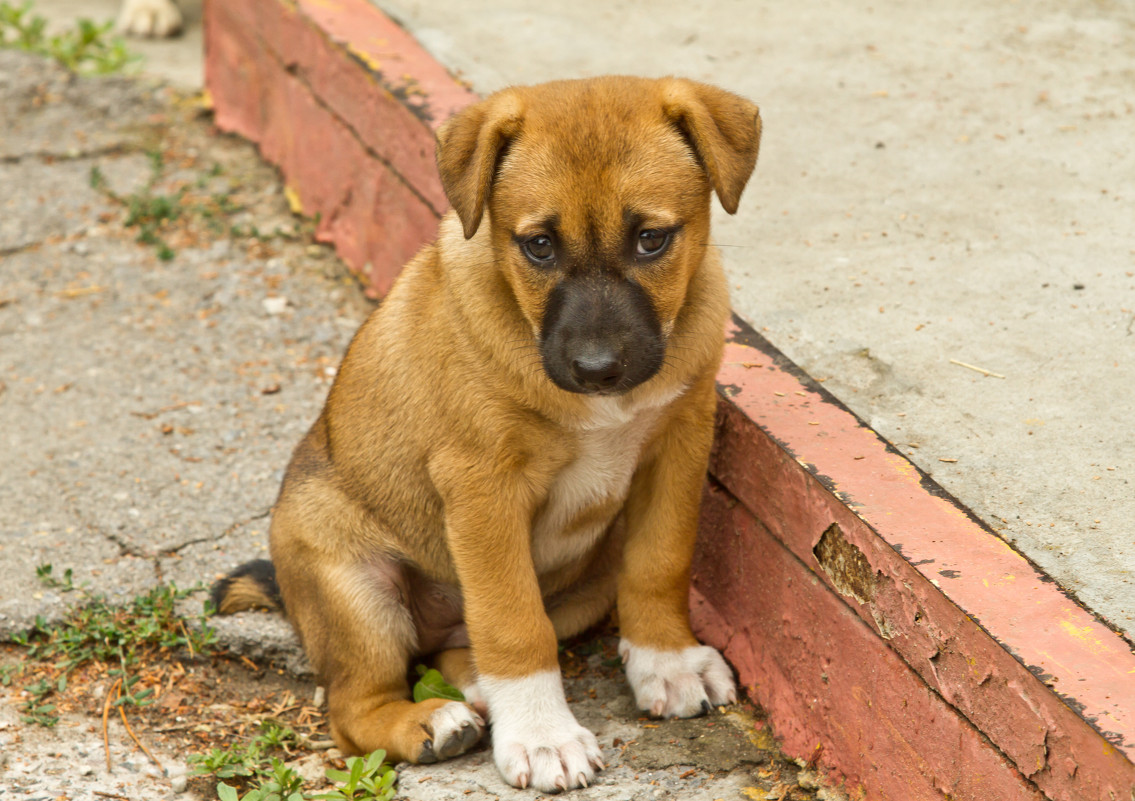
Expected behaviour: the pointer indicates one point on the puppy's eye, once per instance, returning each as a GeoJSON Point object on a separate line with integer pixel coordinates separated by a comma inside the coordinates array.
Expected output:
{"type": "Point", "coordinates": [539, 249]}
{"type": "Point", "coordinates": [651, 242]}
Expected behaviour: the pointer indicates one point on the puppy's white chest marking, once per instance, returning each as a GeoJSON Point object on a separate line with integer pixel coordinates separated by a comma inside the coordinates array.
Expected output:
{"type": "Point", "coordinates": [610, 444]}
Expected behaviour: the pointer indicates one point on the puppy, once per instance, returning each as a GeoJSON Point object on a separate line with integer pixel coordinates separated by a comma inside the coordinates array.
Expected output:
{"type": "Point", "coordinates": [517, 438]}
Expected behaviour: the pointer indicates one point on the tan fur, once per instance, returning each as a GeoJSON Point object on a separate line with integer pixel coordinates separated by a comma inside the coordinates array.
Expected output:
{"type": "Point", "coordinates": [450, 494]}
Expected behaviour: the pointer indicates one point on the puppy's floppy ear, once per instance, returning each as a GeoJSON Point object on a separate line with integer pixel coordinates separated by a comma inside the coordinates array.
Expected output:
{"type": "Point", "coordinates": [724, 129]}
{"type": "Point", "coordinates": [469, 146]}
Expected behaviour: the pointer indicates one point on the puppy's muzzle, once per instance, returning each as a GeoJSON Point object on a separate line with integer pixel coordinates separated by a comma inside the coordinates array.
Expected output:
{"type": "Point", "coordinates": [600, 336]}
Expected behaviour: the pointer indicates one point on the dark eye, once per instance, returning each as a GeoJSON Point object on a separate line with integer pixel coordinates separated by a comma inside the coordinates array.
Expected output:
{"type": "Point", "coordinates": [539, 249]}
{"type": "Point", "coordinates": [651, 242]}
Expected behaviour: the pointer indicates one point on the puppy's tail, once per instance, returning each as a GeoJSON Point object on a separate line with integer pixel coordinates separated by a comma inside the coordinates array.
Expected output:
{"type": "Point", "coordinates": [251, 586]}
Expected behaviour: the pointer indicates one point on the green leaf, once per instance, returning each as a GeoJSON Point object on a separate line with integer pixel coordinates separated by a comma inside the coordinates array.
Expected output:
{"type": "Point", "coordinates": [374, 760]}
{"type": "Point", "coordinates": [433, 685]}
{"type": "Point", "coordinates": [226, 793]}
{"type": "Point", "coordinates": [356, 765]}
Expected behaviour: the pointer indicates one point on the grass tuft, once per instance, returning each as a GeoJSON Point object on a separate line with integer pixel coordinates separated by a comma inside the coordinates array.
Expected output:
{"type": "Point", "coordinates": [96, 631]}
{"type": "Point", "coordinates": [88, 48]}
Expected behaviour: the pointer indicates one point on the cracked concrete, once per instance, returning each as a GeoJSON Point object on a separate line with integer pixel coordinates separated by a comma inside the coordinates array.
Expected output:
{"type": "Point", "coordinates": [153, 404]}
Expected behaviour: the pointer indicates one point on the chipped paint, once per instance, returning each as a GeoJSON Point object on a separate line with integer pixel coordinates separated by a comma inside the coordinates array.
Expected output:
{"type": "Point", "coordinates": [825, 677]}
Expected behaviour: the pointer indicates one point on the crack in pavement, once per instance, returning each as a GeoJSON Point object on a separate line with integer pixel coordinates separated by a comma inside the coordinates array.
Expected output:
{"type": "Point", "coordinates": [216, 537]}
{"type": "Point", "coordinates": [12, 250]}
{"type": "Point", "coordinates": [51, 156]}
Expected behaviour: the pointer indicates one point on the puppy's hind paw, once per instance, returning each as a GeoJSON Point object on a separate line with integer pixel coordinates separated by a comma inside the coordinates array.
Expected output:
{"type": "Point", "coordinates": [455, 729]}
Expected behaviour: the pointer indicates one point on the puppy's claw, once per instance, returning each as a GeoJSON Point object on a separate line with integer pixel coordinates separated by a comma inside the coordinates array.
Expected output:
{"type": "Point", "coordinates": [706, 708]}
{"type": "Point", "coordinates": [581, 779]}
{"type": "Point", "coordinates": [469, 735]}
{"type": "Point", "coordinates": [522, 781]}
{"type": "Point", "coordinates": [427, 757]}
{"type": "Point", "coordinates": [561, 783]}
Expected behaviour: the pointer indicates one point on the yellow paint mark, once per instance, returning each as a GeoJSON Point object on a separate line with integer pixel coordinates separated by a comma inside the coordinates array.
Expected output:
{"type": "Point", "coordinates": [293, 198]}
{"type": "Point", "coordinates": [1008, 578]}
{"type": "Point", "coordinates": [755, 793]}
{"type": "Point", "coordinates": [905, 468]}
{"type": "Point", "coordinates": [366, 58]}
{"type": "Point", "coordinates": [1084, 635]}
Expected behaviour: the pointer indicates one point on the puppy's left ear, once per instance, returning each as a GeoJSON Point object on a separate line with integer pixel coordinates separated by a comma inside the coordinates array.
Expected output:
{"type": "Point", "coordinates": [724, 129]}
{"type": "Point", "coordinates": [469, 146]}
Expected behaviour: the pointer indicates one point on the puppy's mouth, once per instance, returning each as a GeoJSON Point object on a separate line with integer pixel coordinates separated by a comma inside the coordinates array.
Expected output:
{"type": "Point", "coordinates": [600, 337]}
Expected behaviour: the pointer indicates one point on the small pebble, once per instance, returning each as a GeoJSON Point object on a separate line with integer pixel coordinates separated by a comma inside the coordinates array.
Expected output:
{"type": "Point", "coordinates": [808, 780]}
{"type": "Point", "coordinates": [275, 305]}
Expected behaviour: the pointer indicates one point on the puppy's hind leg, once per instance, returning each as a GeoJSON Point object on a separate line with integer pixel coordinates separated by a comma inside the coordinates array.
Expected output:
{"type": "Point", "coordinates": [360, 638]}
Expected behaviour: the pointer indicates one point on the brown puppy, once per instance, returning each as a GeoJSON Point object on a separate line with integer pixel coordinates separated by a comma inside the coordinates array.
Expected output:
{"type": "Point", "coordinates": [517, 438]}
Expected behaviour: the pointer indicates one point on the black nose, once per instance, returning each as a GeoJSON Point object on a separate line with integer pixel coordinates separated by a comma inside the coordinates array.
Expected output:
{"type": "Point", "coordinates": [597, 371]}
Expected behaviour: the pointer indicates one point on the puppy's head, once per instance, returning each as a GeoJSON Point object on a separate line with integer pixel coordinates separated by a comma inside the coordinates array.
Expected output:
{"type": "Point", "coordinates": [597, 193]}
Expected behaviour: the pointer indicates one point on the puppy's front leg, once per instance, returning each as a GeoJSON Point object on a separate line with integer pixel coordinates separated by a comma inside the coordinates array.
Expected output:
{"type": "Point", "coordinates": [671, 674]}
{"type": "Point", "coordinates": [536, 739]}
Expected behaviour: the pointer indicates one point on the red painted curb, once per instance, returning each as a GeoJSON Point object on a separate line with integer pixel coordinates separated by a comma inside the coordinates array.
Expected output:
{"type": "Point", "coordinates": [831, 686]}
{"type": "Point", "coordinates": [345, 103]}
{"type": "Point", "coordinates": [863, 607]}
{"type": "Point", "coordinates": [1046, 683]}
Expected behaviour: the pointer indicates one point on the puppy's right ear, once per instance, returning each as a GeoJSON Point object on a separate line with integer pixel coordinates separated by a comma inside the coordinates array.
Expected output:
{"type": "Point", "coordinates": [469, 145]}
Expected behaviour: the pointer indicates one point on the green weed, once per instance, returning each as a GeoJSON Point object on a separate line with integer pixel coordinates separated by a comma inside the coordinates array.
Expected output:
{"type": "Point", "coordinates": [268, 779]}
{"type": "Point", "coordinates": [148, 212]}
{"type": "Point", "coordinates": [96, 631]}
{"type": "Point", "coordinates": [281, 783]}
{"type": "Point", "coordinates": [34, 710]}
{"type": "Point", "coordinates": [253, 758]}
{"type": "Point", "coordinates": [368, 779]}
{"type": "Point", "coordinates": [87, 48]}
{"type": "Point", "coordinates": [43, 573]}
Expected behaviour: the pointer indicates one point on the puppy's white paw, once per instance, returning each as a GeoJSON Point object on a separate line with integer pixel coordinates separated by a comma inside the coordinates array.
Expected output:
{"type": "Point", "coordinates": [536, 739]}
{"type": "Point", "coordinates": [677, 684]}
{"type": "Point", "coordinates": [158, 18]}
{"type": "Point", "coordinates": [456, 728]}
